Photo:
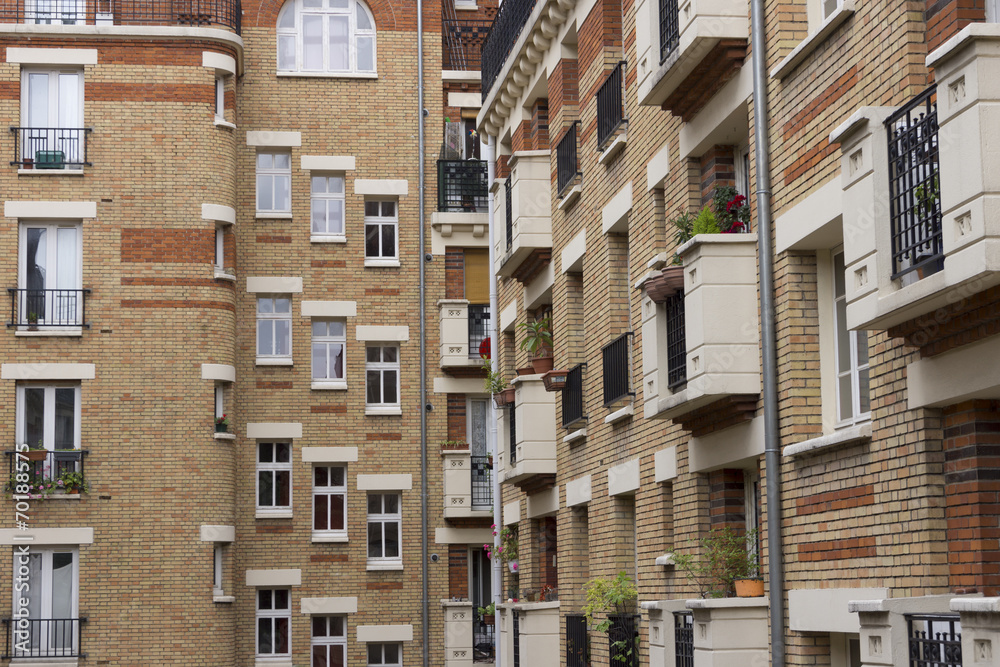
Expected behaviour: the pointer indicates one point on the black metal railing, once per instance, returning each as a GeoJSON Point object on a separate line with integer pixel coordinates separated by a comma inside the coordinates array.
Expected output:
{"type": "Point", "coordinates": [509, 197]}
{"type": "Point", "coordinates": [479, 327]}
{"type": "Point", "coordinates": [483, 641]}
{"type": "Point", "coordinates": [462, 43]}
{"type": "Point", "coordinates": [914, 187]}
{"type": "Point", "coordinates": [683, 639]}
{"type": "Point", "coordinates": [516, 636]}
{"type": "Point", "coordinates": [222, 13]}
{"type": "Point", "coordinates": [670, 28]}
{"type": "Point", "coordinates": [623, 640]}
{"type": "Point", "coordinates": [45, 471]}
{"type": "Point", "coordinates": [43, 638]}
{"type": "Point", "coordinates": [482, 482]}
{"type": "Point", "coordinates": [48, 307]}
{"type": "Point", "coordinates": [50, 147]}
{"type": "Point", "coordinates": [462, 185]}
{"type": "Point", "coordinates": [610, 106]}
{"type": "Point", "coordinates": [935, 640]}
{"type": "Point", "coordinates": [510, 19]}
{"type": "Point", "coordinates": [567, 165]}
{"type": "Point", "coordinates": [577, 642]}
{"type": "Point", "coordinates": [676, 342]}
{"type": "Point", "coordinates": [572, 396]}
{"type": "Point", "coordinates": [512, 421]}
{"type": "Point", "coordinates": [616, 369]}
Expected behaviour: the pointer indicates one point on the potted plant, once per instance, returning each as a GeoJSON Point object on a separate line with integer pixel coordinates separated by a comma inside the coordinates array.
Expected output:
{"type": "Point", "coordinates": [32, 321]}
{"type": "Point", "coordinates": [555, 380]}
{"type": "Point", "coordinates": [222, 424]}
{"type": "Point", "coordinates": [73, 482]}
{"type": "Point", "coordinates": [616, 599]}
{"type": "Point", "coordinates": [507, 551]}
{"type": "Point", "coordinates": [732, 210]}
{"type": "Point", "coordinates": [36, 452]}
{"type": "Point", "coordinates": [32, 485]}
{"type": "Point", "coordinates": [489, 462]}
{"type": "Point", "coordinates": [727, 557]}
{"type": "Point", "coordinates": [497, 385]}
{"type": "Point", "coordinates": [488, 613]}
{"type": "Point", "coordinates": [538, 341]}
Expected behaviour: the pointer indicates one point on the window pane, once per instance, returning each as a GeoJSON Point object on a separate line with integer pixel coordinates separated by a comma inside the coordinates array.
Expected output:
{"type": "Point", "coordinates": [34, 416]}
{"type": "Point", "coordinates": [863, 390]}
{"type": "Point", "coordinates": [337, 512]}
{"type": "Point", "coordinates": [67, 251]}
{"type": "Point", "coordinates": [364, 23]}
{"type": "Point", "coordinates": [282, 452]}
{"type": "Point", "coordinates": [287, 17]}
{"type": "Point", "coordinates": [282, 193]}
{"type": "Point", "coordinates": [388, 241]}
{"type": "Point", "coordinates": [389, 354]}
{"type": "Point", "coordinates": [388, 209]}
{"type": "Point", "coordinates": [374, 540]}
{"type": "Point", "coordinates": [264, 638]}
{"type": "Point", "coordinates": [265, 488]}
{"type": "Point", "coordinates": [339, 29]}
{"type": "Point", "coordinates": [843, 340]}
{"type": "Point", "coordinates": [69, 99]}
{"type": "Point", "coordinates": [312, 42]}
{"type": "Point", "coordinates": [337, 476]}
{"type": "Point", "coordinates": [861, 339]}
{"type": "Point", "coordinates": [321, 476]}
{"type": "Point", "coordinates": [371, 241]}
{"type": "Point", "coordinates": [282, 340]}
{"type": "Point", "coordinates": [336, 328]}
{"type": "Point", "coordinates": [281, 599]}
{"type": "Point", "coordinates": [265, 198]}
{"type": "Point", "coordinates": [281, 635]}
{"type": "Point", "coordinates": [318, 185]}
{"type": "Point", "coordinates": [265, 599]}
{"type": "Point", "coordinates": [35, 267]}
{"type": "Point", "coordinates": [65, 418]}
{"type": "Point", "coordinates": [336, 185]}
{"type": "Point", "coordinates": [335, 217]}
{"type": "Point", "coordinates": [391, 503]}
{"type": "Point", "coordinates": [336, 361]}
{"type": "Point", "coordinates": [265, 306]}
{"type": "Point", "coordinates": [283, 161]}
{"type": "Point", "coordinates": [844, 393]}
{"type": "Point", "coordinates": [321, 515]}
{"type": "Point", "coordinates": [319, 654]}
{"type": "Point", "coordinates": [319, 362]}
{"type": "Point", "coordinates": [389, 394]}
{"type": "Point", "coordinates": [374, 503]}
{"type": "Point", "coordinates": [319, 328]}
{"type": "Point", "coordinates": [38, 99]}
{"type": "Point", "coordinates": [371, 209]}
{"type": "Point", "coordinates": [375, 654]}
{"type": "Point", "coordinates": [374, 394]}
{"type": "Point", "coordinates": [373, 354]}
{"type": "Point", "coordinates": [283, 305]}
{"type": "Point", "coordinates": [284, 491]}
{"type": "Point", "coordinates": [391, 653]}
{"type": "Point", "coordinates": [265, 339]}
{"type": "Point", "coordinates": [838, 274]}
{"type": "Point", "coordinates": [319, 626]}
{"type": "Point", "coordinates": [318, 216]}
{"type": "Point", "coordinates": [265, 452]}
{"type": "Point", "coordinates": [366, 53]}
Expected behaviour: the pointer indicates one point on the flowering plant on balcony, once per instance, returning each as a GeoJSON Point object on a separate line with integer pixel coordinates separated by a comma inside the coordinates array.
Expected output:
{"type": "Point", "coordinates": [33, 485]}
{"type": "Point", "coordinates": [72, 482]}
{"type": "Point", "coordinates": [732, 210]}
{"type": "Point", "coordinates": [222, 424]}
{"type": "Point", "coordinates": [727, 556]}
{"type": "Point", "coordinates": [507, 551]}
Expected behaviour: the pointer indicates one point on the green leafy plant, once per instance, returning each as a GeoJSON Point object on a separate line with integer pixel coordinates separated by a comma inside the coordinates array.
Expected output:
{"type": "Point", "coordinates": [488, 610]}
{"type": "Point", "coordinates": [928, 193]}
{"type": "Point", "coordinates": [33, 485]}
{"type": "Point", "coordinates": [73, 480]}
{"type": "Point", "coordinates": [705, 223]}
{"type": "Point", "coordinates": [610, 597]}
{"type": "Point", "coordinates": [726, 556]}
{"type": "Point", "coordinates": [37, 447]}
{"type": "Point", "coordinates": [222, 421]}
{"type": "Point", "coordinates": [495, 382]}
{"type": "Point", "coordinates": [32, 318]}
{"type": "Point", "coordinates": [732, 210]}
{"type": "Point", "coordinates": [507, 551]}
{"type": "Point", "coordinates": [538, 337]}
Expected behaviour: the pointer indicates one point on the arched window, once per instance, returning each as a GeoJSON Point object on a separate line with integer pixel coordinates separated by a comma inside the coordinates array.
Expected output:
{"type": "Point", "coordinates": [328, 36]}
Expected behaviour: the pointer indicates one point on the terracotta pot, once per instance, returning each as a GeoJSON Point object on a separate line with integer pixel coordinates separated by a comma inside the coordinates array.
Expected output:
{"type": "Point", "coordinates": [527, 370]}
{"type": "Point", "coordinates": [749, 588]}
{"type": "Point", "coordinates": [37, 454]}
{"type": "Point", "coordinates": [542, 364]}
{"type": "Point", "coordinates": [669, 282]}
{"type": "Point", "coordinates": [505, 397]}
{"type": "Point", "coordinates": [489, 619]}
{"type": "Point", "coordinates": [74, 490]}
{"type": "Point", "coordinates": [555, 380]}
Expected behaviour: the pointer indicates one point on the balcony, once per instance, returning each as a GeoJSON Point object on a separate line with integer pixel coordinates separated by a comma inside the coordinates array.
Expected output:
{"type": "Point", "coordinates": [464, 327]}
{"type": "Point", "coordinates": [46, 473]}
{"type": "Point", "coordinates": [50, 148]}
{"type": "Point", "coordinates": [462, 43]}
{"type": "Point", "coordinates": [526, 245]}
{"type": "Point", "coordinates": [568, 166]}
{"type": "Point", "coordinates": [43, 638]}
{"type": "Point", "coordinates": [529, 633]}
{"type": "Point", "coordinates": [616, 360]}
{"type": "Point", "coordinates": [687, 50]}
{"type": "Point", "coordinates": [572, 398]}
{"type": "Point", "coordinates": [462, 186]}
{"type": "Point", "coordinates": [530, 458]}
{"type": "Point", "coordinates": [611, 112]}
{"type": "Point", "coordinates": [507, 25]}
{"type": "Point", "coordinates": [467, 639]}
{"type": "Point", "coordinates": [919, 188]}
{"type": "Point", "coordinates": [468, 485]}
{"type": "Point", "coordinates": [701, 343]}
{"type": "Point", "coordinates": [202, 13]}
{"type": "Point", "coordinates": [48, 309]}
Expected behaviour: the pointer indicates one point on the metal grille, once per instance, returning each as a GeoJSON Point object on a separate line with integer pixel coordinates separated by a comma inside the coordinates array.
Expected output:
{"type": "Point", "coordinates": [572, 396]}
{"type": "Point", "coordinates": [50, 147]}
{"type": "Point", "coordinates": [670, 35]}
{"type": "Point", "coordinates": [462, 42]}
{"type": "Point", "coordinates": [46, 638]}
{"type": "Point", "coordinates": [517, 635]}
{"type": "Point", "coordinates": [577, 642]}
{"type": "Point", "coordinates": [683, 639]}
{"type": "Point", "coordinates": [509, 196]}
{"type": "Point", "coordinates": [482, 482]}
{"type": "Point", "coordinates": [462, 185]}
{"type": "Point", "coordinates": [48, 307]}
{"type": "Point", "coordinates": [47, 470]}
{"type": "Point", "coordinates": [676, 344]}
{"type": "Point", "coordinates": [914, 187]}
{"type": "Point", "coordinates": [935, 640]}
{"type": "Point", "coordinates": [483, 641]}
{"type": "Point", "coordinates": [510, 19]}
{"type": "Point", "coordinates": [224, 13]}
{"type": "Point", "coordinates": [479, 327]}
{"type": "Point", "coordinates": [610, 108]}
{"type": "Point", "coordinates": [623, 640]}
{"type": "Point", "coordinates": [511, 412]}
{"type": "Point", "coordinates": [616, 369]}
{"type": "Point", "coordinates": [567, 166]}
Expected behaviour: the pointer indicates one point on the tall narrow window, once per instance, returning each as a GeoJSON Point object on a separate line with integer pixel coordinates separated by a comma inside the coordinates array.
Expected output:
{"type": "Point", "coordinates": [274, 477]}
{"type": "Point", "coordinates": [382, 376]}
{"type": "Point", "coordinates": [380, 230]}
{"type": "Point", "coordinates": [217, 557]}
{"type": "Point", "coordinates": [326, 36]}
{"type": "Point", "coordinates": [52, 133]}
{"type": "Point", "coordinates": [220, 97]}
{"type": "Point", "coordinates": [328, 341]}
{"type": "Point", "coordinates": [327, 207]}
{"type": "Point", "coordinates": [52, 580]}
{"type": "Point", "coordinates": [274, 616]}
{"type": "Point", "coordinates": [852, 356]}
{"type": "Point", "coordinates": [274, 183]}
{"type": "Point", "coordinates": [50, 271]}
{"type": "Point", "coordinates": [329, 641]}
{"type": "Point", "coordinates": [329, 502]}
{"type": "Point", "coordinates": [274, 328]}
{"type": "Point", "coordinates": [384, 518]}
{"type": "Point", "coordinates": [48, 415]}
{"type": "Point", "coordinates": [220, 247]}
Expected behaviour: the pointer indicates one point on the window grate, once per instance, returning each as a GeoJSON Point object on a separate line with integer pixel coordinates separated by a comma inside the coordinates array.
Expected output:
{"type": "Point", "coordinates": [670, 35]}
{"type": "Point", "coordinates": [48, 307]}
{"type": "Point", "coordinates": [509, 198]}
{"type": "Point", "coordinates": [623, 640]}
{"type": "Point", "coordinates": [935, 640]}
{"type": "Point", "coordinates": [51, 147]}
{"type": "Point", "coordinates": [676, 343]}
{"type": "Point", "coordinates": [577, 642]}
{"type": "Point", "coordinates": [914, 187]}
{"type": "Point", "coordinates": [610, 106]}
{"type": "Point", "coordinates": [46, 638]}
{"type": "Point", "coordinates": [462, 185]}
{"type": "Point", "coordinates": [479, 325]}
{"type": "Point", "coordinates": [224, 13]}
{"type": "Point", "coordinates": [517, 637]}
{"type": "Point", "coordinates": [507, 25]}
{"type": "Point", "coordinates": [482, 482]}
{"type": "Point", "coordinates": [683, 639]}
{"type": "Point", "coordinates": [483, 642]}
{"type": "Point", "coordinates": [567, 166]}
{"type": "Point", "coordinates": [512, 420]}
{"type": "Point", "coordinates": [616, 369]}
{"type": "Point", "coordinates": [572, 396]}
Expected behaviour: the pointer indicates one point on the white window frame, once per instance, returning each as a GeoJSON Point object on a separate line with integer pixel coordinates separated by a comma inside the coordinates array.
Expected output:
{"type": "Point", "coordinates": [272, 173]}
{"type": "Point", "coordinates": [324, 200]}
{"type": "Point", "coordinates": [742, 169]}
{"type": "Point", "coordinates": [217, 558]}
{"type": "Point", "coordinates": [273, 614]}
{"type": "Point", "coordinates": [326, 340]}
{"type": "Point", "coordinates": [383, 222]}
{"type": "Point", "coordinates": [274, 468]}
{"type": "Point", "coordinates": [382, 367]}
{"type": "Point", "coordinates": [54, 112]}
{"type": "Point", "coordinates": [381, 518]}
{"type": "Point", "coordinates": [220, 97]}
{"type": "Point", "coordinates": [992, 11]}
{"type": "Point", "coordinates": [274, 354]}
{"type": "Point", "coordinates": [853, 373]}
{"type": "Point", "coordinates": [220, 400]}
{"type": "Point", "coordinates": [325, 492]}
{"type": "Point", "coordinates": [220, 247]}
{"type": "Point", "coordinates": [49, 413]}
{"type": "Point", "coordinates": [290, 31]}
{"type": "Point", "coordinates": [382, 663]}
{"type": "Point", "coordinates": [61, 314]}
{"type": "Point", "coordinates": [329, 639]}
{"type": "Point", "coordinates": [45, 596]}
{"type": "Point", "coordinates": [75, 8]}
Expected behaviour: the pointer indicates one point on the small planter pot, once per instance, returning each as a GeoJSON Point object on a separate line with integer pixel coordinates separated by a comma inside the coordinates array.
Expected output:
{"type": "Point", "coordinates": [542, 364]}
{"type": "Point", "coordinates": [75, 490]}
{"type": "Point", "coordinates": [489, 619]}
{"type": "Point", "coordinates": [526, 370]}
{"type": "Point", "coordinates": [555, 380]}
{"type": "Point", "coordinates": [749, 588]}
{"type": "Point", "coordinates": [37, 454]}
{"type": "Point", "coordinates": [221, 428]}
{"type": "Point", "coordinates": [505, 397]}
{"type": "Point", "coordinates": [665, 285]}
{"type": "Point", "coordinates": [512, 566]}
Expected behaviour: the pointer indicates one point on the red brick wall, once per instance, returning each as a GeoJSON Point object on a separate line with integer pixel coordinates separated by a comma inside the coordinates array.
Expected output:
{"type": "Point", "coordinates": [727, 499]}
{"type": "Point", "coordinates": [454, 273]}
{"type": "Point", "coordinates": [960, 323]}
{"type": "Point", "coordinates": [718, 169]}
{"type": "Point", "coordinates": [564, 88]}
{"type": "Point", "coordinates": [540, 125]}
{"type": "Point", "coordinates": [458, 570]}
{"type": "Point", "coordinates": [944, 19]}
{"type": "Point", "coordinates": [456, 417]}
{"type": "Point", "coordinates": [186, 246]}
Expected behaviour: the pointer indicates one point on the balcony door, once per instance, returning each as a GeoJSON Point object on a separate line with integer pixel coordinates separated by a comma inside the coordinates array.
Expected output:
{"type": "Point", "coordinates": [50, 274]}
{"type": "Point", "coordinates": [52, 597]}
{"type": "Point", "coordinates": [52, 117]}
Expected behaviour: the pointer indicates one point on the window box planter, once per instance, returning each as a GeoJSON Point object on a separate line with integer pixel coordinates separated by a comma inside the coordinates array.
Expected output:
{"type": "Point", "coordinates": [505, 397]}
{"type": "Point", "coordinates": [555, 380]}
{"type": "Point", "coordinates": [36, 454]}
{"type": "Point", "coordinates": [221, 428]}
{"type": "Point", "coordinates": [749, 588]}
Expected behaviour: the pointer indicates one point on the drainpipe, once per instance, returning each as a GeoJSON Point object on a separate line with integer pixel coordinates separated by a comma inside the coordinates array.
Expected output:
{"type": "Point", "coordinates": [765, 253]}
{"type": "Point", "coordinates": [497, 566]}
{"type": "Point", "coordinates": [425, 610]}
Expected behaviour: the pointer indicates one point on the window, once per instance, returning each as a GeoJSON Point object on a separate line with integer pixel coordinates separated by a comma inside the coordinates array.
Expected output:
{"type": "Point", "coordinates": [54, 593]}
{"type": "Point", "coordinates": [330, 501]}
{"type": "Point", "coordinates": [220, 98]}
{"type": "Point", "coordinates": [274, 616]}
{"type": "Point", "coordinates": [382, 375]}
{"type": "Point", "coordinates": [852, 356]}
{"type": "Point", "coordinates": [48, 415]}
{"type": "Point", "coordinates": [329, 641]}
{"type": "Point", "coordinates": [274, 183]}
{"type": "Point", "coordinates": [50, 272]}
{"type": "Point", "coordinates": [217, 555]}
{"type": "Point", "coordinates": [274, 477]}
{"type": "Point", "coordinates": [327, 206]}
{"type": "Point", "coordinates": [220, 247]}
{"type": "Point", "coordinates": [383, 529]}
{"type": "Point", "coordinates": [328, 341]}
{"type": "Point", "coordinates": [331, 36]}
{"type": "Point", "coordinates": [274, 328]}
{"type": "Point", "coordinates": [387, 655]}
{"type": "Point", "coordinates": [58, 12]}
{"type": "Point", "coordinates": [220, 401]}
{"type": "Point", "coordinates": [380, 230]}
{"type": "Point", "coordinates": [52, 133]}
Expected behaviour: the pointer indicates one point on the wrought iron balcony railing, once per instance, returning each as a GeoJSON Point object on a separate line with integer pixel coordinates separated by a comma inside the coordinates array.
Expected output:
{"type": "Point", "coordinates": [670, 25]}
{"type": "Point", "coordinates": [479, 327]}
{"type": "Point", "coordinates": [482, 482]}
{"type": "Point", "coordinates": [43, 638]}
{"type": "Point", "coordinates": [50, 147]}
{"type": "Point", "coordinates": [935, 640]}
{"type": "Point", "coordinates": [914, 187]}
{"type": "Point", "coordinates": [509, 210]}
{"type": "Point", "coordinates": [45, 471]}
{"type": "Point", "coordinates": [617, 369]}
{"type": "Point", "coordinates": [610, 105]}
{"type": "Point", "coordinates": [683, 639]}
{"type": "Point", "coordinates": [577, 643]}
{"type": "Point", "coordinates": [462, 185]}
{"type": "Point", "coordinates": [567, 166]}
{"type": "Point", "coordinates": [623, 639]}
{"type": "Point", "coordinates": [48, 307]}
{"type": "Point", "coordinates": [221, 13]}
{"type": "Point", "coordinates": [507, 26]}
{"type": "Point", "coordinates": [572, 396]}
{"type": "Point", "coordinates": [676, 342]}
{"type": "Point", "coordinates": [483, 642]}
{"type": "Point", "coordinates": [462, 43]}
{"type": "Point", "coordinates": [512, 444]}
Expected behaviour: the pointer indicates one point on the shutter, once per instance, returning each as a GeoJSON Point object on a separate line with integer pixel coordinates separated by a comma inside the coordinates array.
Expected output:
{"type": "Point", "coordinates": [477, 275]}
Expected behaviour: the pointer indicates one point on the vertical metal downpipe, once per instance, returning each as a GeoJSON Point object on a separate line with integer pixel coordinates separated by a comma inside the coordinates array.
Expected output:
{"type": "Point", "coordinates": [765, 252]}
{"type": "Point", "coordinates": [496, 566]}
{"type": "Point", "coordinates": [425, 610]}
